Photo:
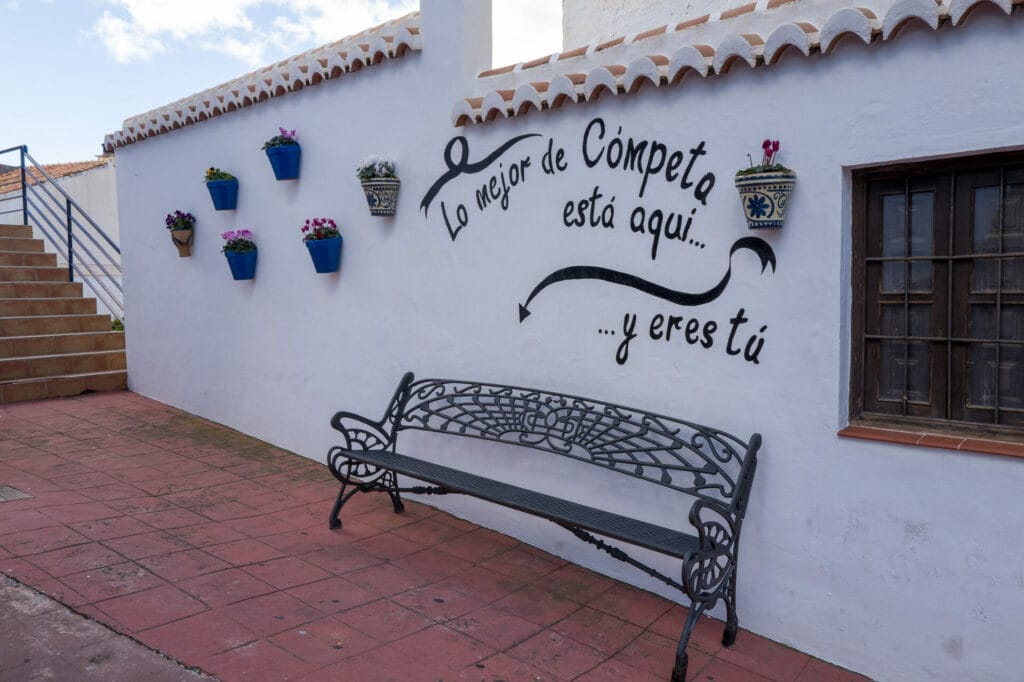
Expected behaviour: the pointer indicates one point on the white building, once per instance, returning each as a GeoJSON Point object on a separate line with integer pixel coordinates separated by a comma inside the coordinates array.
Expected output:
{"type": "Point", "coordinates": [884, 521]}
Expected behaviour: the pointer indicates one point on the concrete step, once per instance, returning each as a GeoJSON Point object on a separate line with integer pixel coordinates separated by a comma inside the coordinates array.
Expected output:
{"type": "Point", "coordinates": [20, 273]}
{"type": "Point", "coordinates": [40, 289]}
{"type": "Point", "coordinates": [21, 244]}
{"type": "Point", "coordinates": [38, 366]}
{"type": "Point", "coordinates": [28, 258]}
{"type": "Point", "coordinates": [18, 231]}
{"type": "Point", "coordinates": [63, 386]}
{"type": "Point", "coordinates": [55, 344]}
{"type": "Point", "coordinates": [22, 307]}
{"type": "Point", "coordinates": [37, 325]}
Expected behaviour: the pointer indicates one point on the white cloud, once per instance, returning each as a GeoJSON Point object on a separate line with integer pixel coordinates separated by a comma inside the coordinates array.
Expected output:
{"type": "Point", "coordinates": [244, 29]}
{"type": "Point", "coordinates": [525, 30]}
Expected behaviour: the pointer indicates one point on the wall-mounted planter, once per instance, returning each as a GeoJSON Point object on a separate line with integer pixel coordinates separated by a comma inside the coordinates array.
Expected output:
{"type": "Point", "coordinates": [183, 241]}
{"type": "Point", "coordinates": [243, 265]}
{"type": "Point", "coordinates": [224, 194]}
{"type": "Point", "coordinates": [765, 196]}
{"type": "Point", "coordinates": [382, 195]}
{"type": "Point", "coordinates": [284, 159]}
{"type": "Point", "coordinates": [326, 254]}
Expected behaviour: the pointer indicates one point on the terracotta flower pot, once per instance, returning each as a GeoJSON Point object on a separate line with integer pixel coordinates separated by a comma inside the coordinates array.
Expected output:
{"type": "Point", "coordinates": [183, 240]}
{"type": "Point", "coordinates": [382, 195]}
{"type": "Point", "coordinates": [765, 197]}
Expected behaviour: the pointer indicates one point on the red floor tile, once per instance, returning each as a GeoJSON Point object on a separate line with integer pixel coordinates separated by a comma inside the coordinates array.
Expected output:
{"type": "Point", "coordinates": [206, 534]}
{"type": "Point", "coordinates": [631, 604]}
{"type": "Point", "coordinates": [478, 545]}
{"type": "Point", "coordinates": [324, 642]}
{"type": "Point", "coordinates": [225, 587]}
{"type": "Point", "coordinates": [286, 572]}
{"type": "Point", "coordinates": [111, 581]}
{"type": "Point", "coordinates": [243, 552]}
{"type": "Point", "coordinates": [87, 511]}
{"type": "Point", "coordinates": [616, 671]}
{"type": "Point", "coordinates": [198, 637]}
{"type": "Point", "coordinates": [108, 529]}
{"type": "Point", "coordinates": [75, 559]}
{"type": "Point", "coordinates": [39, 540]}
{"type": "Point", "coordinates": [442, 650]}
{"type": "Point", "coordinates": [388, 546]}
{"type": "Point", "coordinates": [537, 605]}
{"type": "Point", "coordinates": [561, 655]}
{"type": "Point", "coordinates": [432, 564]}
{"type": "Point", "coordinates": [522, 565]}
{"type": "Point", "coordinates": [260, 660]}
{"type": "Point", "coordinates": [722, 671]}
{"type": "Point", "coordinates": [437, 603]}
{"type": "Point", "coordinates": [272, 613]}
{"type": "Point", "coordinates": [333, 595]}
{"type": "Point", "coordinates": [147, 545]}
{"type": "Point", "coordinates": [341, 559]}
{"type": "Point", "coordinates": [183, 565]}
{"type": "Point", "coordinates": [384, 620]}
{"type": "Point", "coordinates": [172, 518]}
{"type": "Point", "coordinates": [150, 608]}
{"type": "Point", "coordinates": [385, 579]}
{"type": "Point", "coordinates": [765, 657]}
{"type": "Point", "coordinates": [601, 631]}
{"type": "Point", "coordinates": [194, 503]}
{"type": "Point", "coordinates": [498, 629]}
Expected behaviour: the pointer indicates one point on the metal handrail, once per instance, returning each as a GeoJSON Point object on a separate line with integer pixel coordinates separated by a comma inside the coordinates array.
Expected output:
{"type": "Point", "coordinates": [68, 232]}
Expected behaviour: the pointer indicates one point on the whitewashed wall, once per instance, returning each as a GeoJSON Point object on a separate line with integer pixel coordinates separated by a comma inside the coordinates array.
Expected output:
{"type": "Point", "coordinates": [900, 563]}
{"type": "Point", "coordinates": [592, 21]}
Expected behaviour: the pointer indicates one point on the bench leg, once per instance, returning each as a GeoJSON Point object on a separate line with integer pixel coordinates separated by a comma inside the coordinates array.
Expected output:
{"type": "Point", "coordinates": [731, 622]}
{"type": "Point", "coordinates": [392, 489]}
{"type": "Point", "coordinates": [679, 670]}
{"type": "Point", "coordinates": [334, 522]}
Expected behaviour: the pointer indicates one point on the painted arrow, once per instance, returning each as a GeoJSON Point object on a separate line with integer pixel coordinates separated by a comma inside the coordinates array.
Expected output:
{"type": "Point", "coordinates": [756, 244]}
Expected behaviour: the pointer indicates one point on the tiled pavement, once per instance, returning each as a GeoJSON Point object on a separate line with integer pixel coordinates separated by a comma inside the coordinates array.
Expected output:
{"type": "Point", "coordinates": [212, 547]}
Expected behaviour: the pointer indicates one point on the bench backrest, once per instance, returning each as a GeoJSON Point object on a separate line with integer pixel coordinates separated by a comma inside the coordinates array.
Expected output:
{"type": "Point", "coordinates": [688, 457]}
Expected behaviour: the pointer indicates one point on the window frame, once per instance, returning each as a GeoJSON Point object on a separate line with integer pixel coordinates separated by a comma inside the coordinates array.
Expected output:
{"type": "Point", "coordinates": [914, 176]}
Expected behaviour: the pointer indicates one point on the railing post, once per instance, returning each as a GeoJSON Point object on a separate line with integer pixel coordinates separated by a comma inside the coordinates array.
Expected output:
{"type": "Point", "coordinates": [71, 251]}
{"type": "Point", "coordinates": [24, 188]}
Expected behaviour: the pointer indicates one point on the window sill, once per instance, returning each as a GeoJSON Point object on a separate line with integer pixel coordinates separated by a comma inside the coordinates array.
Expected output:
{"type": "Point", "coordinates": [933, 440]}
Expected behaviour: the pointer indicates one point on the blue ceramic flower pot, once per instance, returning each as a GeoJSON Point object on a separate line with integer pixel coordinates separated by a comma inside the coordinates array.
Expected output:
{"type": "Point", "coordinates": [224, 194]}
{"type": "Point", "coordinates": [326, 254]}
{"type": "Point", "coordinates": [285, 161]}
{"type": "Point", "coordinates": [243, 265]}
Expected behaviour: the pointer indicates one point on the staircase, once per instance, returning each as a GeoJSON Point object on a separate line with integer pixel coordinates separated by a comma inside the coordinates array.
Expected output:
{"type": "Point", "coordinates": [52, 342]}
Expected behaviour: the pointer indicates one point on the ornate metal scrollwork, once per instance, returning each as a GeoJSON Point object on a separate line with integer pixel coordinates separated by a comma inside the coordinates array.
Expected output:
{"type": "Point", "coordinates": [682, 455]}
{"type": "Point", "coordinates": [708, 573]}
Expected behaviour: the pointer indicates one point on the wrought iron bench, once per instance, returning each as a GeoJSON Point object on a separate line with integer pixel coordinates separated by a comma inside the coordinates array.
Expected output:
{"type": "Point", "coordinates": [712, 467]}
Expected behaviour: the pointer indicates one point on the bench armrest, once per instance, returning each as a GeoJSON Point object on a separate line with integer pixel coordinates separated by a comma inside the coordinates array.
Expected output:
{"type": "Point", "coordinates": [360, 433]}
{"type": "Point", "coordinates": [707, 571]}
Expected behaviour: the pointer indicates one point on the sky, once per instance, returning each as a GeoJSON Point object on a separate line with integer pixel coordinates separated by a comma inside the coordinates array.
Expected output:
{"type": "Point", "coordinates": [75, 69]}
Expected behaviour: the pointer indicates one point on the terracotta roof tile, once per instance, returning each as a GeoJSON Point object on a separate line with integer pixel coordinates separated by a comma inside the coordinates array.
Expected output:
{"type": "Point", "coordinates": [389, 40]}
{"type": "Point", "coordinates": [762, 36]}
{"type": "Point", "coordinates": [10, 180]}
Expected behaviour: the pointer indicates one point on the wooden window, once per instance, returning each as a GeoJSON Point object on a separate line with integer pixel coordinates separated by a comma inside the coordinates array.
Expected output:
{"type": "Point", "coordinates": [938, 296]}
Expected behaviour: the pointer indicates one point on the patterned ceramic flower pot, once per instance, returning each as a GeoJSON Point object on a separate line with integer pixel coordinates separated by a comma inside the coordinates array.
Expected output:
{"type": "Point", "coordinates": [765, 197]}
{"type": "Point", "coordinates": [382, 195]}
{"type": "Point", "coordinates": [224, 194]}
{"type": "Point", "coordinates": [285, 161]}
{"type": "Point", "coordinates": [243, 265]}
{"type": "Point", "coordinates": [183, 240]}
{"type": "Point", "coordinates": [326, 254]}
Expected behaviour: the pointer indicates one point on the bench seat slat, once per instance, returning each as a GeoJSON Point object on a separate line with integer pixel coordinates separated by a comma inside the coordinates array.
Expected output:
{"type": "Point", "coordinates": [647, 535]}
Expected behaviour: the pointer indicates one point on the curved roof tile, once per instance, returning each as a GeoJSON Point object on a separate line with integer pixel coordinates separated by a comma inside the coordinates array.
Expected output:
{"type": "Point", "coordinates": [707, 45]}
{"type": "Point", "coordinates": [391, 40]}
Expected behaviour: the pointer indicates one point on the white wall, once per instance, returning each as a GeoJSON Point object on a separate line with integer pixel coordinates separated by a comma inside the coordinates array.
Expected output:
{"type": "Point", "coordinates": [593, 21]}
{"type": "Point", "coordinates": [901, 563]}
